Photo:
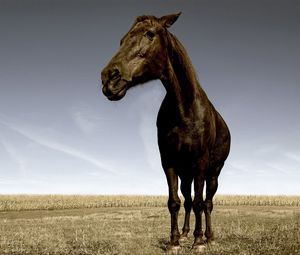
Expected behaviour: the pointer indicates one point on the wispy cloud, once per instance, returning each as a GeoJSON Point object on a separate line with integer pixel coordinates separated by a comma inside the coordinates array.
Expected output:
{"type": "Point", "coordinates": [293, 156]}
{"type": "Point", "coordinates": [85, 119]}
{"type": "Point", "coordinates": [150, 102]}
{"type": "Point", "coordinates": [268, 149]}
{"type": "Point", "coordinates": [277, 168]}
{"type": "Point", "coordinates": [83, 122]}
{"type": "Point", "coordinates": [148, 134]}
{"type": "Point", "coordinates": [54, 145]}
{"type": "Point", "coordinates": [11, 151]}
{"type": "Point", "coordinates": [265, 159]}
{"type": "Point", "coordinates": [239, 165]}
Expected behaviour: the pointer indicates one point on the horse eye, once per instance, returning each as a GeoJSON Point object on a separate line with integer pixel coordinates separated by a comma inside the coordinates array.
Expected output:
{"type": "Point", "coordinates": [150, 35]}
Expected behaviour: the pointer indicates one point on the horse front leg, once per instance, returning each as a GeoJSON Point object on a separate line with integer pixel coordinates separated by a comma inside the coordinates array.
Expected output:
{"type": "Point", "coordinates": [198, 207]}
{"type": "Point", "coordinates": [174, 206]}
{"type": "Point", "coordinates": [198, 203]}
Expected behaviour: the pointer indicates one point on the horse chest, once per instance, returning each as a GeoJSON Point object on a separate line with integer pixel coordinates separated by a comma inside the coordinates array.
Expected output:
{"type": "Point", "coordinates": [178, 141]}
{"type": "Point", "coordinates": [182, 138]}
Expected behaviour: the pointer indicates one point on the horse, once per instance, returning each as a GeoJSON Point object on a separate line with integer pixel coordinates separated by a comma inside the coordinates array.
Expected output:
{"type": "Point", "coordinates": [193, 138]}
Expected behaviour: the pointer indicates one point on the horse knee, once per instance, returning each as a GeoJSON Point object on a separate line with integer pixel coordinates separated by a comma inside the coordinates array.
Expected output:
{"type": "Point", "coordinates": [208, 205]}
{"type": "Point", "coordinates": [174, 205]}
{"type": "Point", "coordinates": [198, 205]}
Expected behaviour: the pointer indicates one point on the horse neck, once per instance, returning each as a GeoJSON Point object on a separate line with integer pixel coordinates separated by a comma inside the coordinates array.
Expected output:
{"type": "Point", "coordinates": [179, 79]}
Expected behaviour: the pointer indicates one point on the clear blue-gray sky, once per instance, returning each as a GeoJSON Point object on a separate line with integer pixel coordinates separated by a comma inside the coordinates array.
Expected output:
{"type": "Point", "coordinates": [59, 134]}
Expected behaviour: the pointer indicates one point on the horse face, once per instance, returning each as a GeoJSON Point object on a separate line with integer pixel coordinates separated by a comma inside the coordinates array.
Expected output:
{"type": "Point", "coordinates": [142, 56]}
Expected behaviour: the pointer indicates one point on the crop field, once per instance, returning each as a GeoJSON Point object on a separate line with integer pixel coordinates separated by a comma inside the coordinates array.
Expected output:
{"type": "Point", "coordinates": [57, 224]}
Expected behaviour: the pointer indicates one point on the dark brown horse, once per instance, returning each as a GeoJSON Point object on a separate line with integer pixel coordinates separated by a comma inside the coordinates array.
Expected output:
{"type": "Point", "coordinates": [193, 138]}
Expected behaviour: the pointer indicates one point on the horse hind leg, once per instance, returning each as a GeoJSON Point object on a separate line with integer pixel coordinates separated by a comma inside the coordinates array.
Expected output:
{"type": "Point", "coordinates": [185, 187]}
{"type": "Point", "coordinates": [211, 189]}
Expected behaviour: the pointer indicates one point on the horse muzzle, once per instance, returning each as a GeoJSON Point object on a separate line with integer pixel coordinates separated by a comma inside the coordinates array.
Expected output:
{"type": "Point", "coordinates": [115, 82]}
{"type": "Point", "coordinates": [115, 89]}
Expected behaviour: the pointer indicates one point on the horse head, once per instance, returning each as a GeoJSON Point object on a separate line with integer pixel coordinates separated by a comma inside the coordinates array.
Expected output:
{"type": "Point", "coordinates": [142, 56]}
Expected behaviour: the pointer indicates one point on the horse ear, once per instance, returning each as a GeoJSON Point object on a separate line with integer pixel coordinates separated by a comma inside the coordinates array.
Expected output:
{"type": "Point", "coordinates": [168, 20]}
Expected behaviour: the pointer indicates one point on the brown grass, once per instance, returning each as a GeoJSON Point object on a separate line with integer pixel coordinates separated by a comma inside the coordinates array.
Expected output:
{"type": "Point", "coordinates": [239, 229]}
{"type": "Point", "coordinates": [53, 202]}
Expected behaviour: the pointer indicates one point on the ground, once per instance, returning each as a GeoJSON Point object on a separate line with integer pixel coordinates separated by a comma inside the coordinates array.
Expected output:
{"type": "Point", "coordinates": [240, 229]}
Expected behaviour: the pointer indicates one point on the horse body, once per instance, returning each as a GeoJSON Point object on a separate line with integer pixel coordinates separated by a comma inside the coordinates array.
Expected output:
{"type": "Point", "coordinates": [184, 139]}
{"type": "Point", "coordinates": [193, 139]}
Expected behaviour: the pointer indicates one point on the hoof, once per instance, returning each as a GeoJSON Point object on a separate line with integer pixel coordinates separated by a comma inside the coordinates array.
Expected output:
{"type": "Point", "coordinates": [183, 238]}
{"type": "Point", "coordinates": [199, 248]}
{"type": "Point", "coordinates": [173, 250]}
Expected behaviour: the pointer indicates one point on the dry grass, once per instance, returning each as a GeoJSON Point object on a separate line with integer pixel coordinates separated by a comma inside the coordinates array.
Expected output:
{"type": "Point", "coordinates": [128, 228]}
{"type": "Point", "coordinates": [53, 202]}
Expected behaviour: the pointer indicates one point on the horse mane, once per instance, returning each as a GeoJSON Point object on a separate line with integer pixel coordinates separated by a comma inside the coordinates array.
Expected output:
{"type": "Point", "coordinates": [144, 17]}
{"type": "Point", "coordinates": [181, 61]}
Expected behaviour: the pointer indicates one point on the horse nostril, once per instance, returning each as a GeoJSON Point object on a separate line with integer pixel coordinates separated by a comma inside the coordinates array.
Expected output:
{"type": "Point", "coordinates": [115, 73]}
{"type": "Point", "coordinates": [109, 74]}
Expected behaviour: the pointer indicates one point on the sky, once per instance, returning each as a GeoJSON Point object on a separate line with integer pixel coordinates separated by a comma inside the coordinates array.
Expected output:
{"type": "Point", "coordinates": [60, 135]}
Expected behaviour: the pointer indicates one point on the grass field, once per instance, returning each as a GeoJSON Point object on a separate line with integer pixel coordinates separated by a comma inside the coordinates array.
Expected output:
{"type": "Point", "coordinates": [140, 225]}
